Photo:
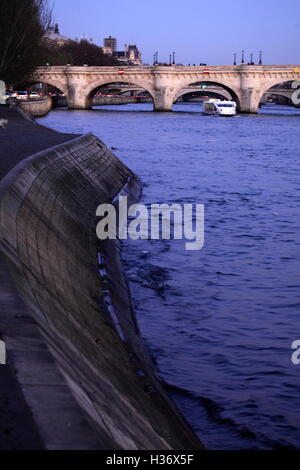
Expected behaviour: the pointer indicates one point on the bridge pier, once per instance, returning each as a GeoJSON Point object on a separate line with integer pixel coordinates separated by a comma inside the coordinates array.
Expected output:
{"type": "Point", "coordinates": [163, 99]}
{"type": "Point", "coordinates": [250, 99]}
{"type": "Point", "coordinates": [77, 98]}
{"type": "Point", "coordinates": [250, 91]}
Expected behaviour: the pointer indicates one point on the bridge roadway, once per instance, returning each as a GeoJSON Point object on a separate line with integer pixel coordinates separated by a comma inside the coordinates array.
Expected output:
{"type": "Point", "coordinates": [246, 84]}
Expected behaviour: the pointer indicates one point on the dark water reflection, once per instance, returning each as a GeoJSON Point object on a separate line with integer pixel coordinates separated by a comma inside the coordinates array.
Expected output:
{"type": "Point", "coordinates": [219, 322]}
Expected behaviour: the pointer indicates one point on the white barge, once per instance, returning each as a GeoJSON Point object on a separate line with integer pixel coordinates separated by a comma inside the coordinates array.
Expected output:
{"type": "Point", "coordinates": [219, 107]}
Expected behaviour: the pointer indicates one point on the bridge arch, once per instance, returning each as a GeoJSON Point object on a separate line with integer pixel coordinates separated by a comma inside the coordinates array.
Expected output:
{"type": "Point", "coordinates": [57, 84]}
{"type": "Point", "coordinates": [88, 92]}
{"type": "Point", "coordinates": [230, 88]}
{"type": "Point", "coordinates": [54, 82]}
{"type": "Point", "coordinates": [265, 87]}
{"type": "Point", "coordinates": [197, 93]}
{"type": "Point", "coordinates": [278, 97]}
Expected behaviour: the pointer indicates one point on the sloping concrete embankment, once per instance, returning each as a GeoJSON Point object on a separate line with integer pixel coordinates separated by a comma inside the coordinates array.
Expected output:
{"type": "Point", "coordinates": [74, 288]}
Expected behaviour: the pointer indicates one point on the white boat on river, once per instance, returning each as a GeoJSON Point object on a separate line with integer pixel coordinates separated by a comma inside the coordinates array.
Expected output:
{"type": "Point", "coordinates": [219, 108]}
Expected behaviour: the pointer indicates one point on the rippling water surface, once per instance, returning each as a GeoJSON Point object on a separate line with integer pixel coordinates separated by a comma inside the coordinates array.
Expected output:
{"type": "Point", "coordinates": [219, 322]}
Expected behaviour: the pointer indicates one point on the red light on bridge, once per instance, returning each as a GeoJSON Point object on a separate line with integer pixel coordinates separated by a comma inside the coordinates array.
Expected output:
{"type": "Point", "coordinates": [205, 71]}
{"type": "Point", "coordinates": [121, 72]}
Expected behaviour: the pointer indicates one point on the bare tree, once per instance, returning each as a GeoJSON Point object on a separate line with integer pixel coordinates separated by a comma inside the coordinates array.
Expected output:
{"type": "Point", "coordinates": [22, 26]}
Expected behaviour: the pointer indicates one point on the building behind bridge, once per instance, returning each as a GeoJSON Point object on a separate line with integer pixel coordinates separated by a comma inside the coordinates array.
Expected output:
{"type": "Point", "coordinates": [53, 39]}
{"type": "Point", "coordinates": [129, 56]}
{"type": "Point", "coordinates": [109, 45]}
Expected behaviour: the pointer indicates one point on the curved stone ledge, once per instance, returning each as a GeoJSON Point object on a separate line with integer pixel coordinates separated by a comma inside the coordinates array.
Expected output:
{"type": "Point", "coordinates": [74, 287]}
{"type": "Point", "coordinates": [38, 108]}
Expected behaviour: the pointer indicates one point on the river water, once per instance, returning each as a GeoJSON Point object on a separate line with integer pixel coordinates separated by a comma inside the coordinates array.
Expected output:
{"type": "Point", "coordinates": [218, 322]}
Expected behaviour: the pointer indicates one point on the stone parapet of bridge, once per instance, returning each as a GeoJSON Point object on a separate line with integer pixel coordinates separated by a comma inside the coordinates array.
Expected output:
{"type": "Point", "coordinates": [246, 84]}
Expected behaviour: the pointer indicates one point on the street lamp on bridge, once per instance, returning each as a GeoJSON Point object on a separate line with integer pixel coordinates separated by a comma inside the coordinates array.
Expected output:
{"type": "Point", "coordinates": [234, 59]}
{"type": "Point", "coordinates": [260, 57]}
{"type": "Point", "coordinates": [173, 58]}
{"type": "Point", "coordinates": [243, 57]}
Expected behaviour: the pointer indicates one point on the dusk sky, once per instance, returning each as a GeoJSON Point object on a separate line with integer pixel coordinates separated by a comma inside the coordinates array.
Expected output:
{"type": "Point", "coordinates": [207, 31]}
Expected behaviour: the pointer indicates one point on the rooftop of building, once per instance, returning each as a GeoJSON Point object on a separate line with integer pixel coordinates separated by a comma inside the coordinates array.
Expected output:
{"type": "Point", "coordinates": [53, 34]}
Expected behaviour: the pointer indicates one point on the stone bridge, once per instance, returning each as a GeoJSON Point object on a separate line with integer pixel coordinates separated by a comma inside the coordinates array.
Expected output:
{"type": "Point", "coordinates": [246, 84]}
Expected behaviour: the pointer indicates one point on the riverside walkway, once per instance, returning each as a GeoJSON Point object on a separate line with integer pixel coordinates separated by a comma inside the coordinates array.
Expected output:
{"type": "Point", "coordinates": [19, 139]}
{"type": "Point", "coordinates": [37, 410]}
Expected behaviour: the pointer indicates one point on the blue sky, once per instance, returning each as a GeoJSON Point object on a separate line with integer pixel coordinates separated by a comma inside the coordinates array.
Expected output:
{"type": "Point", "coordinates": [198, 31]}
